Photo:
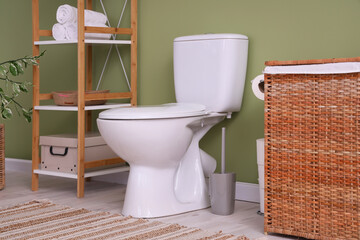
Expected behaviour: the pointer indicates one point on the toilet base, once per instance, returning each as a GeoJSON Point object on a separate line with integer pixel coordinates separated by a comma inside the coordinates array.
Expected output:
{"type": "Point", "coordinates": [150, 193]}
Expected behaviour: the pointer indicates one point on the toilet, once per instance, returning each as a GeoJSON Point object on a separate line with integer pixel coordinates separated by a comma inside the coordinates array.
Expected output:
{"type": "Point", "coordinates": [168, 170]}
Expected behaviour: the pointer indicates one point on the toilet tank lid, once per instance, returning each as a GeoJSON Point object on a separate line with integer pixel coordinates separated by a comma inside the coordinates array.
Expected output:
{"type": "Point", "coordinates": [211, 36]}
{"type": "Point", "coordinates": [171, 110]}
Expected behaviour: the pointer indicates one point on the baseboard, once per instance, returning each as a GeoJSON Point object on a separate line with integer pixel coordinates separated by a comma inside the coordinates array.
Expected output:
{"type": "Point", "coordinates": [20, 165]}
{"type": "Point", "coordinates": [243, 192]}
{"type": "Point", "coordinates": [247, 192]}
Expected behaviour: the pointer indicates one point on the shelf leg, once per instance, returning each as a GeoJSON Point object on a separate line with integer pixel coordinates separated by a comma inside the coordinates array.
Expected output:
{"type": "Point", "coordinates": [81, 99]}
{"type": "Point", "coordinates": [89, 73]}
{"type": "Point", "coordinates": [88, 84]}
{"type": "Point", "coordinates": [134, 53]}
{"type": "Point", "coordinates": [35, 152]}
{"type": "Point", "coordinates": [36, 98]}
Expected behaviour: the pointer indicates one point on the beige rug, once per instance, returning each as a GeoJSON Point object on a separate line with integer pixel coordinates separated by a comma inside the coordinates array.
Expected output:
{"type": "Point", "coordinates": [42, 219]}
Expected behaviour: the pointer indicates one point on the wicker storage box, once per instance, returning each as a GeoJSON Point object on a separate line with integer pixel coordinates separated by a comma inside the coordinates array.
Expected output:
{"type": "Point", "coordinates": [70, 98]}
{"type": "Point", "coordinates": [59, 152]}
{"type": "Point", "coordinates": [2, 156]}
{"type": "Point", "coordinates": [312, 153]}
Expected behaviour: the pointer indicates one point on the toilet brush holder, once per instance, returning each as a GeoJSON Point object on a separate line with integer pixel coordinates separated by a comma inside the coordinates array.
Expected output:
{"type": "Point", "coordinates": [222, 187]}
{"type": "Point", "coordinates": [222, 193]}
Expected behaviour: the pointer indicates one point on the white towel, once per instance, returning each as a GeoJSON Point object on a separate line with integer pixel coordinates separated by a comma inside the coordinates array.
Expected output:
{"type": "Point", "coordinates": [68, 14]}
{"type": "Point", "coordinates": [59, 32]}
{"type": "Point", "coordinates": [328, 68]}
{"type": "Point", "coordinates": [71, 33]}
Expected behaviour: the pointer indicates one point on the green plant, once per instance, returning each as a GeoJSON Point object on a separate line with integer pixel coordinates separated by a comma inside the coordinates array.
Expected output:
{"type": "Point", "coordinates": [11, 89]}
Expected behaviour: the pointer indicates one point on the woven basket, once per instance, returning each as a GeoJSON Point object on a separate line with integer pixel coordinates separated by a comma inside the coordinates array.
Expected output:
{"type": "Point", "coordinates": [2, 156]}
{"type": "Point", "coordinates": [312, 160]}
{"type": "Point", "coordinates": [70, 98]}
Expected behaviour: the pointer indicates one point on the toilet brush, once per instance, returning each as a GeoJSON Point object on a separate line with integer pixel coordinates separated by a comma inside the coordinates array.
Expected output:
{"type": "Point", "coordinates": [222, 187]}
{"type": "Point", "coordinates": [223, 150]}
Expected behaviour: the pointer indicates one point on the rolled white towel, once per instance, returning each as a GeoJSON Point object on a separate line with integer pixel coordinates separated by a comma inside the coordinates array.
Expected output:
{"type": "Point", "coordinates": [68, 14]}
{"type": "Point", "coordinates": [71, 33]}
{"type": "Point", "coordinates": [94, 18]}
{"type": "Point", "coordinates": [59, 31]}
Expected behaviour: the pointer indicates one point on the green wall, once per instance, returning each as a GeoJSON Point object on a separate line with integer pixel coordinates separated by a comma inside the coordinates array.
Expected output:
{"type": "Point", "coordinates": [277, 30]}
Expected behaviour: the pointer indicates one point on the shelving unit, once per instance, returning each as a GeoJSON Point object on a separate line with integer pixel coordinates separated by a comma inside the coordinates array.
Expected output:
{"type": "Point", "coordinates": [84, 83]}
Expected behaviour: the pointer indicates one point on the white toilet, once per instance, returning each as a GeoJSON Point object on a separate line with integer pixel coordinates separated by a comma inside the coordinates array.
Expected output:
{"type": "Point", "coordinates": [161, 143]}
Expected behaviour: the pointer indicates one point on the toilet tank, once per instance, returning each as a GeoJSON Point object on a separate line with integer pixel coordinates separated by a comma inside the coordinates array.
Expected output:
{"type": "Point", "coordinates": [210, 69]}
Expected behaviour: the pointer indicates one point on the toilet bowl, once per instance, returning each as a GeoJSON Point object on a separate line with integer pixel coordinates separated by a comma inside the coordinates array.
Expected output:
{"type": "Point", "coordinates": [168, 170]}
{"type": "Point", "coordinates": [161, 145]}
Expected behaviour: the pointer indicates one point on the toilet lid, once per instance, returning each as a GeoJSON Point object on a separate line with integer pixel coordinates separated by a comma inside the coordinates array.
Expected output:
{"type": "Point", "coordinates": [172, 110]}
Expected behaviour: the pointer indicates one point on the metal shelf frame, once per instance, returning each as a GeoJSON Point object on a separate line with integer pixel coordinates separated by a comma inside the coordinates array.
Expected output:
{"type": "Point", "coordinates": [84, 55]}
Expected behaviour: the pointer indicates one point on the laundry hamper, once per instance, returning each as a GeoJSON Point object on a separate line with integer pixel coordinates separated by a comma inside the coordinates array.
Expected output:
{"type": "Point", "coordinates": [312, 149]}
{"type": "Point", "coordinates": [2, 156]}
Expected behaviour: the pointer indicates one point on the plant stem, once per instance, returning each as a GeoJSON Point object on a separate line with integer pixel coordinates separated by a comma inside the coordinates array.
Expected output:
{"type": "Point", "coordinates": [34, 57]}
{"type": "Point", "coordinates": [12, 81]}
{"type": "Point", "coordinates": [15, 60]}
{"type": "Point", "coordinates": [12, 100]}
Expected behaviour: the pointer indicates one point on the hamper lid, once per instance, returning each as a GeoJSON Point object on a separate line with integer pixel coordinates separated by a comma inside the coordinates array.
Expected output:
{"type": "Point", "coordinates": [327, 68]}
{"type": "Point", "coordinates": [70, 140]}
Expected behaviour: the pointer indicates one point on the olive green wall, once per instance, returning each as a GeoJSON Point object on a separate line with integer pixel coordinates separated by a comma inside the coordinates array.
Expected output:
{"type": "Point", "coordinates": [277, 30]}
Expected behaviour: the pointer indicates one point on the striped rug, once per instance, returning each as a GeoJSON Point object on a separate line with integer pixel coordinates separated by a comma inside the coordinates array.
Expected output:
{"type": "Point", "coordinates": [42, 219]}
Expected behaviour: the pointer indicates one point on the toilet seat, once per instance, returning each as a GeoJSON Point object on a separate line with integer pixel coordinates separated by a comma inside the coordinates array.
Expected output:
{"type": "Point", "coordinates": [171, 110]}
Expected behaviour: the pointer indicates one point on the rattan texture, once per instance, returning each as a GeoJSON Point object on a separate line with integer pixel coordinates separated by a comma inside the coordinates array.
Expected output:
{"type": "Point", "coordinates": [2, 156]}
{"type": "Point", "coordinates": [312, 151]}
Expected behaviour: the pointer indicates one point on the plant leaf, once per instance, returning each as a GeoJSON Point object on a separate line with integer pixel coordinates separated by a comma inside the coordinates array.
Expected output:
{"type": "Point", "coordinates": [13, 69]}
{"type": "Point", "coordinates": [34, 62]}
{"type": "Point", "coordinates": [28, 118]}
{"type": "Point", "coordinates": [2, 71]}
{"type": "Point", "coordinates": [16, 88]}
{"type": "Point", "coordinates": [6, 113]}
{"type": "Point", "coordinates": [7, 98]}
{"type": "Point", "coordinates": [25, 63]}
{"type": "Point", "coordinates": [23, 87]}
{"type": "Point", "coordinates": [4, 102]}
{"type": "Point", "coordinates": [19, 67]}
{"type": "Point", "coordinates": [27, 114]}
{"type": "Point", "coordinates": [40, 55]}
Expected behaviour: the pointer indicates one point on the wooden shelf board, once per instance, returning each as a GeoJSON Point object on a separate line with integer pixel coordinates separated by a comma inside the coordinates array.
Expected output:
{"type": "Point", "coordinates": [88, 174]}
{"type": "Point", "coordinates": [92, 41]}
{"type": "Point", "coordinates": [75, 108]}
